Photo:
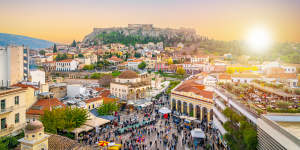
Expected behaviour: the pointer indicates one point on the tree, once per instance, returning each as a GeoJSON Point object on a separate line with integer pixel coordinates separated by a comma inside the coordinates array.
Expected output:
{"type": "Point", "coordinates": [240, 133]}
{"type": "Point", "coordinates": [64, 119]}
{"type": "Point", "coordinates": [137, 55]}
{"type": "Point", "coordinates": [170, 61]}
{"type": "Point", "coordinates": [180, 71]}
{"type": "Point", "coordinates": [42, 52]}
{"type": "Point", "coordinates": [142, 65]}
{"type": "Point", "coordinates": [108, 108]}
{"type": "Point", "coordinates": [105, 80]}
{"type": "Point", "coordinates": [73, 43]}
{"type": "Point", "coordinates": [80, 55]}
{"type": "Point", "coordinates": [54, 48]}
{"type": "Point", "coordinates": [88, 67]}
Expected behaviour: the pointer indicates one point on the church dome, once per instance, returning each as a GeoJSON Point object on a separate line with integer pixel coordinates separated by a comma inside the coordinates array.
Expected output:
{"type": "Point", "coordinates": [34, 126]}
{"type": "Point", "coordinates": [128, 75]}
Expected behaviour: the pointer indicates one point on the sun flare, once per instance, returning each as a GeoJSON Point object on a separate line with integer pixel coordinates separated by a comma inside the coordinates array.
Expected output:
{"type": "Point", "coordinates": [259, 39]}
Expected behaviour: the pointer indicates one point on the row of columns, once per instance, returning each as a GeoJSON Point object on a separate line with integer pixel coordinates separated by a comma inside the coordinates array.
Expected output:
{"type": "Point", "coordinates": [197, 111]}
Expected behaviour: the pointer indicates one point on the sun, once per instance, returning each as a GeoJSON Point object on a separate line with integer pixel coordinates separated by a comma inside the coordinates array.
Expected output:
{"type": "Point", "coordinates": [259, 39]}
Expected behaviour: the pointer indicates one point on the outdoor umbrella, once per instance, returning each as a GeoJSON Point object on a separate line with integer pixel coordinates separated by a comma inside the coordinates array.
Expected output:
{"type": "Point", "coordinates": [164, 110]}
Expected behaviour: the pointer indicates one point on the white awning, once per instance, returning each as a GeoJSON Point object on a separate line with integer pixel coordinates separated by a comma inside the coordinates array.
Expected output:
{"type": "Point", "coordinates": [219, 126]}
{"type": "Point", "coordinates": [219, 115]}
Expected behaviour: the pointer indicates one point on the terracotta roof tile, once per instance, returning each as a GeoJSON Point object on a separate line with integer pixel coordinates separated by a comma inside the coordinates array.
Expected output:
{"type": "Point", "coordinates": [93, 99]}
{"type": "Point", "coordinates": [44, 104]}
{"type": "Point", "coordinates": [25, 86]}
{"type": "Point", "coordinates": [192, 86]}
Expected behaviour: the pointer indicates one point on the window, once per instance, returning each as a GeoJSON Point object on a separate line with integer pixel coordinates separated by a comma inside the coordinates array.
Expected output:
{"type": "Point", "coordinates": [33, 136]}
{"type": "Point", "coordinates": [89, 107]}
{"type": "Point", "coordinates": [17, 118]}
{"type": "Point", "coordinates": [3, 104]}
{"type": "Point", "coordinates": [93, 106]}
{"type": "Point", "coordinates": [16, 100]}
{"type": "Point", "coordinates": [3, 123]}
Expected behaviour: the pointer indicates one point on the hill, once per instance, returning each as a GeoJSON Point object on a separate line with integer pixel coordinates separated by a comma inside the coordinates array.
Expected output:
{"type": "Point", "coordinates": [141, 33]}
{"type": "Point", "coordinates": [32, 43]}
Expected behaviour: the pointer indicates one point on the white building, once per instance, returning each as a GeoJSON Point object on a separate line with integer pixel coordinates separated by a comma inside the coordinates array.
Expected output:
{"type": "Point", "coordinates": [14, 64]}
{"type": "Point", "coordinates": [244, 77]}
{"type": "Point", "coordinates": [133, 65]}
{"type": "Point", "coordinates": [37, 76]}
{"type": "Point", "coordinates": [75, 90]}
{"type": "Point", "coordinates": [66, 65]}
{"type": "Point", "coordinates": [202, 59]}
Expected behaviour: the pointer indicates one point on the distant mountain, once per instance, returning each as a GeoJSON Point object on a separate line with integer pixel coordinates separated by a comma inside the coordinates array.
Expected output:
{"type": "Point", "coordinates": [32, 43]}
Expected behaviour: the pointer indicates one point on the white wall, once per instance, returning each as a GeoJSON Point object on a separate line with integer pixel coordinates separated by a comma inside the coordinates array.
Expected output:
{"type": "Point", "coordinates": [37, 76]}
{"type": "Point", "coordinates": [75, 90]}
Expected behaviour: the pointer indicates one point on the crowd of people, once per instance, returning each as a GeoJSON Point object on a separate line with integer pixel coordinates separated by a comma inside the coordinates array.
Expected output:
{"type": "Point", "coordinates": [147, 129]}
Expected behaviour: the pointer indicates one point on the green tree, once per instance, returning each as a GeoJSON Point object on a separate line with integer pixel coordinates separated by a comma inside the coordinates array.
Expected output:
{"type": "Point", "coordinates": [142, 65]}
{"type": "Point", "coordinates": [88, 67]}
{"type": "Point", "coordinates": [64, 118]}
{"type": "Point", "coordinates": [180, 71]}
{"type": "Point", "coordinates": [137, 55]}
{"type": "Point", "coordinates": [42, 52]}
{"type": "Point", "coordinates": [73, 43]}
{"type": "Point", "coordinates": [54, 48]}
{"type": "Point", "coordinates": [108, 108]}
{"type": "Point", "coordinates": [80, 55]}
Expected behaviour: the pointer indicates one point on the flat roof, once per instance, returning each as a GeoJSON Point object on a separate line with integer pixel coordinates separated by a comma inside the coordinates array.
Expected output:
{"type": "Point", "coordinates": [292, 127]}
{"type": "Point", "coordinates": [288, 121]}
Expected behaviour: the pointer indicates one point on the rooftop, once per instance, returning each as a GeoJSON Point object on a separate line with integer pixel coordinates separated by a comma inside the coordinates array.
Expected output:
{"type": "Point", "coordinates": [128, 75]}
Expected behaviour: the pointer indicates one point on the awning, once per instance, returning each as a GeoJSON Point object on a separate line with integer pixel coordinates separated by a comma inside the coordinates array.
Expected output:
{"type": "Point", "coordinates": [218, 125]}
{"type": "Point", "coordinates": [83, 128]}
{"type": "Point", "coordinates": [197, 133]}
{"type": "Point", "coordinates": [96, 122]}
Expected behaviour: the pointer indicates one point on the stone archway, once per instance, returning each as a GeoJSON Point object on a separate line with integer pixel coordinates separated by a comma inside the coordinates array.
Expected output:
{"type": "Point", "coordinates": [179, 106]}
{"type": "Point", "coordinates": [198, 112]}
{"type": "Point", "coordinates": [185, 108]}
{"type": "Point", "coordinates": [191, 110]}
{"type": "Point", "coordinates": [204, 113]}
{"type": "Point", "coordinates": [173, 104]}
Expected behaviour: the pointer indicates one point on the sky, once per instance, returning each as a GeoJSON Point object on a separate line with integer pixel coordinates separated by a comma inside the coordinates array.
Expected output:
{"type": "Point", "coordinates": [67, 20]}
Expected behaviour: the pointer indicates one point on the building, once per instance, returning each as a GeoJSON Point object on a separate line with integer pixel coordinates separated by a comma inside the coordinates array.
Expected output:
{"type": "Point", "coordinates": [93, 103]}
{"type": "Point", "coordinates": [244, 77]}
{"type": "Point", "coordinates": [201, 59]}
{"type": "Point", "coordinates": [31, 94]}
{"type": "Point", "coordinates": [66, 65]}
{"type": "Point", "coordinates": [278, 132]}
{"type": "Point", "coordinates": [75, 90]}
{"type": "Point", "coordinates": [134, 64]}
{"type": "Point", "coordinates": [130, 86]}
{"type": "Point", "coordinates": [49, 66]}
{"type": "Point", "coordinates": [36, 139]}
{"type": "Point", "coordinates": [37, 76]}
{"type": "Point", "coordinates": [12, 110]}
{"type": "Point", "coordinates": [14, 64]}
{"type": "Point", "coordinates": [114, 60]}
{"type": "Point", "coordinates": [41, 106]}
{"type": "Point", "coordinates": [192, 99]}
{"type": "Point", "coordinates": [59, 90]}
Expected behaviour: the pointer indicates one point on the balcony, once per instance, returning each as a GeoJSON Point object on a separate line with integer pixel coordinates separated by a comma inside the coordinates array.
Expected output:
{"type": "Point", "coordinates": [6, 110]}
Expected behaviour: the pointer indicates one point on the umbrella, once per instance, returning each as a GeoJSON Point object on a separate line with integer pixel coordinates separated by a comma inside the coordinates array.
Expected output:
{"type": "Point", "coordinates": [197, 133]}
{"type": "Point", "coordinates": [164, 110]}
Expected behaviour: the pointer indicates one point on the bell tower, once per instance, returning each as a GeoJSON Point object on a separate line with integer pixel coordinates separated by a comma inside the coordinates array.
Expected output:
{"type": "Point", "coordinates": [35, 138]}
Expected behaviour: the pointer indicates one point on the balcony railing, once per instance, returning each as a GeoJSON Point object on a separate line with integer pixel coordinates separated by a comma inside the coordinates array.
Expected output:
{"type": "Point", "coordinates": [6, 110]}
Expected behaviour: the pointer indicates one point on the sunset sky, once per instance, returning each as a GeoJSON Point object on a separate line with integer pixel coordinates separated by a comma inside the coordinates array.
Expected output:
{"type": "Point", "coordinates": [66, 20]}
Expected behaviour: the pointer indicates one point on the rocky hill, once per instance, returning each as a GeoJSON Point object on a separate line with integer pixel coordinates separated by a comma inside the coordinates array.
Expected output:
{"type": "Point", "coordinates": [141, 33]}
{"type": "Point", "coordinates": [32, 43]}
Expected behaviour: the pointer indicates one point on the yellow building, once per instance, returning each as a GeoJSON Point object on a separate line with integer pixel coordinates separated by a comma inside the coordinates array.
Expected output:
{"type": "Point", "coordinates": [13, 110]}
{"type": "Point", "coordinates": [130, 86]}
{"type": "Point", "coordinates": [35, 138]}
{"type": "Point", "coordinates": [31, 94]}
{"type": "Point", "coordinates": [192, 99]}
{"type": "Point", "coordinates": [93, 103]}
